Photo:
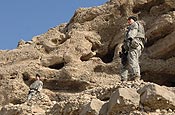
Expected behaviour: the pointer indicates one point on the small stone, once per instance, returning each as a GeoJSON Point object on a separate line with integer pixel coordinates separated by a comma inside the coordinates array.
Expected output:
{"type": "Point", "coordinates": [163, 111]}
{"type": "Point", "coordinates": [157, 110]}
{"type": "Point", "coordinates": [170, 110]}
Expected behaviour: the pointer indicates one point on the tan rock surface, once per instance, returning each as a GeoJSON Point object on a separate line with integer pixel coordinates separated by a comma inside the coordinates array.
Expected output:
{"type": "Point", "coordinates": [79, 62]}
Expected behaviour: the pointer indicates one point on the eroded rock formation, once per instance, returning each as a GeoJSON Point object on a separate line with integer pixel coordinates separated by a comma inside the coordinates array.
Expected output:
{"type": "Point", "coordinates": [79, 64]}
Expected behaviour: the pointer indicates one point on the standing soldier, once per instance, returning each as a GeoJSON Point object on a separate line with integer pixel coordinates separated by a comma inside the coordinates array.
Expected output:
{"type": "Point", "coordinates": [35, 87]}
{"type": "Point", "coordinates": [131, 50]}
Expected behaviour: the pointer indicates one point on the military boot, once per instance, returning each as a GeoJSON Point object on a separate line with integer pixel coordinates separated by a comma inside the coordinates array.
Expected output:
{"type": "Point", "coordinates": [124, 79]}
{"type": "Point", "coordinates": [135, 78]}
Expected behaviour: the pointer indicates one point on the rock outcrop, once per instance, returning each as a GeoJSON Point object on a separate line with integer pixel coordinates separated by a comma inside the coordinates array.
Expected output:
{"type": "Point", "coordinates": [80, 66]}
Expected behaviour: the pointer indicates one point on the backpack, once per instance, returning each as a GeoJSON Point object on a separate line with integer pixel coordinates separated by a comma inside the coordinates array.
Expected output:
{"type": "Point", "coordinates": [141, 31]}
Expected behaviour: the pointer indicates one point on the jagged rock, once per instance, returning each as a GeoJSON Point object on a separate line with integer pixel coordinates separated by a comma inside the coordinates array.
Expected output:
{"type": "Point", "coordinates": [16, 56]}
{"type": "Point", "coordinates": [21, 43]}
{"type": "Point", "coordinates": [157, 97]}
{"type": "Point", "coordinates": [37, 106]}
{"type": "Point", "coordinates": [123, 100]}
{"type": "Point", "coordinates": [163, 27]}
{"type": "Point", "coordinates": [21, 110]}
{"type": "Point", "coordinates": [43, 101]}
{"type": "Point", "coordinates": [92, 108]}
{"type": "Point", "coordinates": [3, 97]}
{"type": "Point", "coordinates": [72, 106]}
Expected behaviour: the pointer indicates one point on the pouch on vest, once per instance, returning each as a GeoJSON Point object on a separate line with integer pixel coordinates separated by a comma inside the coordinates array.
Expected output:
{"type": "Point", "coordinates": [134, 44]}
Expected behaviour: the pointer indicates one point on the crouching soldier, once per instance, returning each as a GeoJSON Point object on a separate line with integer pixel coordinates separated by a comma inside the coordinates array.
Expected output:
{"type": "Point", "coordinates": [35, 88]}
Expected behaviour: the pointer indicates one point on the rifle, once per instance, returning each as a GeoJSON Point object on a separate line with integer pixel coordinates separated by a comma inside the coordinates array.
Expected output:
{"type": "Point", "coordinates": [123, 55]}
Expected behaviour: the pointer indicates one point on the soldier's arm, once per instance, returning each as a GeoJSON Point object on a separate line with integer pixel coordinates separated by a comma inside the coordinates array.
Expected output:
{"type": "Point", "coordinates": [40, 86]}
{"type": "Point", "coordinates": [133, 31]}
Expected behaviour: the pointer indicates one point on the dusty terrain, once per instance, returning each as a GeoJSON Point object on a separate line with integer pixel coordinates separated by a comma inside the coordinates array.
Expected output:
{"type": "Point", "coordinates": [80, 66]}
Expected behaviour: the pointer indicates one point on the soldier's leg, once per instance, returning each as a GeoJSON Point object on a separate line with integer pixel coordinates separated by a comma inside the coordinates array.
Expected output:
{"type": "Point", "coordinates": [39, 95]}
{"type": "Point", "coordinates": [124, 73]}
{"type": "Point", "coordinates": [31, 94]}
{"type": "Point", "coordinates": [133, 62]}
{"type": "Point", "coordinates": [29, 97]}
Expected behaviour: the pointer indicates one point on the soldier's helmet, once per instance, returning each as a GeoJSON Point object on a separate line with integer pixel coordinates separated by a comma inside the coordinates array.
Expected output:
{"type": "Point", "coordinates": [37, 75]}
{"type": "Point", "coordinates": [132, 17]}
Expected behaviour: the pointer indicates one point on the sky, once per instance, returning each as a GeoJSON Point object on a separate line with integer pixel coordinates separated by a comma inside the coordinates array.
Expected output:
{"type": "Point", "coordinates": [24, 19]}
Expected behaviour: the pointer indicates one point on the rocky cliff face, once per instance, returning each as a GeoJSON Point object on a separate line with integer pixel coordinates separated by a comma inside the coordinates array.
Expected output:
{"type": "Point", "coordinates": [79, 64]}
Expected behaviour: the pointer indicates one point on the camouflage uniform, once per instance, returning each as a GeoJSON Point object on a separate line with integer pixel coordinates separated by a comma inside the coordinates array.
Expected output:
{"type": "Point", "coordinates": [133, 44]}
{"type": "Point", "coordinates": [35, 88]}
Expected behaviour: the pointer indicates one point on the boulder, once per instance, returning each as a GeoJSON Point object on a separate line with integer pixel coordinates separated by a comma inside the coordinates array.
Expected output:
{"type": "Point", "coordinates": [123, 100]}
{"type": "Point", "coordinates": [92, 108]}
{"type": "Point", "coordinates": [21, 110]}
{"type": "Point", "coordinates": [157, 97]}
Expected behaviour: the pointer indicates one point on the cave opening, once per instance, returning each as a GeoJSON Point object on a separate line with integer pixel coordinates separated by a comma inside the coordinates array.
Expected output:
{"type": "Point", "coordinates": [57, 66]}
{"type": "Point", "coordinates": [108, 58]}
{"type": "Point", "coordinates": [16, 101]}
{"type": "Point", "coordinates": [159, 78]}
